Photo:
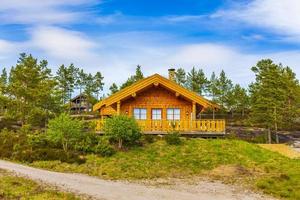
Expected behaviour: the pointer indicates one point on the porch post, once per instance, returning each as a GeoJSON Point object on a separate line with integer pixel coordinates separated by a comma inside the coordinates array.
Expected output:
{"type": "Point", "coordinates": [118, 107]}
{"type": "Point", "coordinates": [193, 115]}
{"type": "Point", "coordinates": [194, 111]}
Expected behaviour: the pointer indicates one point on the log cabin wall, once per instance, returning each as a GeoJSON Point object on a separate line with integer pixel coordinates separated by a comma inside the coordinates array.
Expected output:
{"type": "Point", "coordinates": [160, 98]}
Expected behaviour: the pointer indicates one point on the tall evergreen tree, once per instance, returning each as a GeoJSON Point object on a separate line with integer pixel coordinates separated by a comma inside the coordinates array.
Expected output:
{"type": "Point", "coordinates": [272, 95]}
{"type": "Point", "coordinates": [180, 76]}
{"type": "Point", "coordinates": [98, 84]}
{"type": "Point", "coordinates": [197, 81]}
{"type": "Point", "coordinates": [3, 81]}
{"type": "Point", "coordinates": [239, 100]}
{"type": "Point", "coordinates": [32, 90]}
{"type": "Point", "coordinates": [113, 88]}
{"type": "Point", "coordinates": [224, 85]}
{"type": "Point", "coordinates": [134, 78]}
{"type": "Point", "coordinates": [213, 90]}
{"type": "Point", "coordinates": [67, 78]}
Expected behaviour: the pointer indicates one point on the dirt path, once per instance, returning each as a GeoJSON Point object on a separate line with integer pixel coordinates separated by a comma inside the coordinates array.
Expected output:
{"type": "Point", "coordinates": [117, 190]}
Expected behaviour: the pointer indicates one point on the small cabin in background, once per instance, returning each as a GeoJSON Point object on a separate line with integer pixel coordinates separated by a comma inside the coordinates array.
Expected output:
{"type": "Point", "coordinates": [160, 105]}
{"type": "Point", "coordinates": [80, 104]}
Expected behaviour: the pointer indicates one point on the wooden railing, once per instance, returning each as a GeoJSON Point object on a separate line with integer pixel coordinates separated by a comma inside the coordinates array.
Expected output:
{"type": "Point", "coordinates": [207, 125]}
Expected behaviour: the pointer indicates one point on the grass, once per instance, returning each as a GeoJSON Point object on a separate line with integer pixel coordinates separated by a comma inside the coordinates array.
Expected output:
{"type": "Point", "coordinates": [262, 169]}
{"type": "Point", "coordinates": [12, 187]}
{"type": "Point", "coordinates": [282, 149]}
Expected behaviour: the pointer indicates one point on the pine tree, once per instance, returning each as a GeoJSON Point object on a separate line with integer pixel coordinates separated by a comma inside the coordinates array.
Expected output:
{"type": "Point", "coordinates": [239, 99]}
{"type": "Point", "coordinates": [98, 84]}
{"type": "Point", "coordinates": [197, 81]}
{"type": "Point", "coordinates": [31, 89]}
{"type": "Point", "coordinates": [224, 89]}
{"type": "Point", "coordinates": [132, 79]}
{"type": "Point", "coordinates": [272, 95]}
{"type": "Point", "coordinates": [213, 90]}
{"type": "Point", "coordinates": [113, 88]}
{"type": "Point", "coordinates": [180, 76]}
{"type": "Point", "coordinates": [3, 81]}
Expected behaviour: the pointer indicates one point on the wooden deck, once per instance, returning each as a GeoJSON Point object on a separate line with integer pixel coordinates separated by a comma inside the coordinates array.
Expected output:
{"type": "Point", "coordinates": [194, 127]}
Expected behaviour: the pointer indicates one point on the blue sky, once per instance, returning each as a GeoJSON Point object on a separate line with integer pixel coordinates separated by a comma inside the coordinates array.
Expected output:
{"type": "Point", "coordinates": [113, 36]}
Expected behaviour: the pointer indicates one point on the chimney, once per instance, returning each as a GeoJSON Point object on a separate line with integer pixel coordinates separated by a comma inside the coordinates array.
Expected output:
{"type": "Point", "coordinates": [171, 74]}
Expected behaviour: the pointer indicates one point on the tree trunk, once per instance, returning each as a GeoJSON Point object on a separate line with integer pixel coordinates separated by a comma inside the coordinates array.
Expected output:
{"type": "Point", "coordinates": [269, 136]}
{"type": "Point", "coordinates": [120, 144]}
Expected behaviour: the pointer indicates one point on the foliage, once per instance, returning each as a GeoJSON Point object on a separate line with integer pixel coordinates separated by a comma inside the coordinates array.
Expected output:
{"type": "Point", "coordinates": [122, 129]}
{"type": "Point", "coordinates": [104, 149]}
{"type": "Point", "coordinates": [274, 95]}
{"type": "Point", "coordinates": [173, 138]}
{"type": "Point", "coordinates": [28, 147]}
{"type": "Point", "coordinates": [180, 76]}
{"type": "Point", "coordinates": [132, 79]}
{"type": "Point", "coordinates": [12, 187]}
{"type": "Point", "coordinates": [196, 81]}
{"type": "Point", "coordinates": [268, 171]}
{"type": "Point", "coordinates": [148, 138]}
{"type": "Point", "coordinates": [86, 143]}
{"type": "Point", "coordinates": [113, 88]}
{"type": "Point", "coordinates": [65, 131]}
{"type": "Point", "coordinates": [30, 87]}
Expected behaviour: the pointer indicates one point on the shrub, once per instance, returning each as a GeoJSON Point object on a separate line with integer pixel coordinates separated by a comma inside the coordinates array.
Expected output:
{"type": "Point", "coordinates": [104, 150]}
{"type": "Point", "coordinates": [47, 154]}
{"type": "Point", "coordinates": [123, 130]}
{"type": "Point", "coordinates": [173, 138]}
{"type": "Point", "coordinates": [87, 143]}
{"type": "Point", "coordinates": [149, 138]}
{"type": "Point", "coordinates": [65, 131]}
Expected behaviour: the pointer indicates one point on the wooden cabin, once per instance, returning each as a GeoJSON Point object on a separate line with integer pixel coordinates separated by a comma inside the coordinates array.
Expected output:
{"type": "Point", "coordinates": [80, 104]}
{"type": "Point", "coordinates": [160, 105]}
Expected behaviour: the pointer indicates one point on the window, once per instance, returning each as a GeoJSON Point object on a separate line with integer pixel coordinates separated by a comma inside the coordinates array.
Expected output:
{"type": "Point", "coordinates": [140, 113]}
{"type": "Point", "coordinates": [173, 114]}
{"type": "Point", "coordinates": [156, 114]}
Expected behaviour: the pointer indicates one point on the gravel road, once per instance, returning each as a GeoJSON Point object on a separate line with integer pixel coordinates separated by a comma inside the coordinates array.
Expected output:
{"type": "Point", "coordinates": [120, 190]}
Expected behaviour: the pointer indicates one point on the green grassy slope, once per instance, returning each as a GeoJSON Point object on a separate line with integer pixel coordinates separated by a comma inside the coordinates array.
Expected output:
{"type": "Point", "coordinates": [265, 170]}
{"type": "Point", "coordinates": [12, 187]}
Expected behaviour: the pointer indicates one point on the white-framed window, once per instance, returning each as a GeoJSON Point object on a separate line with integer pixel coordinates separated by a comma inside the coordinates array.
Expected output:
{"type": "Point", "coordinates": [156, 114]}
{"type": "Point", "coordinates": [140, 113]}
{"type": "Point", "coordinates": [173, 114]}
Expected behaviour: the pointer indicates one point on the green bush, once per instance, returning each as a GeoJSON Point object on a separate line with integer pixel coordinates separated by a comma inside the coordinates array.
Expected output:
{"type": "Point", "coordinates": [123, 130]}
{"type": "Point", "coordinates": [173, 138]}
{"type": "Point", "coordinates": [104, 150]}
{"type": "Point", "coordinates": [47, 154]}
{"type": "Point", "coordinates": [148, 138]}
{"type": "Point", "coordinates": [87, 143]}
{"type": "Point", "coordinates": [65, 131]}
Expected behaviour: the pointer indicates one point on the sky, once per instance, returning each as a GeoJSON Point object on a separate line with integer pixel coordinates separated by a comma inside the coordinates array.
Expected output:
{"type": "Point", "coordinates": [114, 36]}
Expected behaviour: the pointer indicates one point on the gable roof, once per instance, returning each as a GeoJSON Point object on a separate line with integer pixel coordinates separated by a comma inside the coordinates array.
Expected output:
{"type": "Point", "coordinates": [154, 79]}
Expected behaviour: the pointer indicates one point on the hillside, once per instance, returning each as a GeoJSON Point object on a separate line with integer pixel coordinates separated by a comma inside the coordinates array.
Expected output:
{"type": "Point", "coordinates": [227, 160]}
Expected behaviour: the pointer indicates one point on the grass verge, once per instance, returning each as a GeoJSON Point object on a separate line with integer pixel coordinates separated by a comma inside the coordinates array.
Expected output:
{"type": "Point", "coordinates": [265, 170]}
{"type": "Point", "coordinates": [12, 187]}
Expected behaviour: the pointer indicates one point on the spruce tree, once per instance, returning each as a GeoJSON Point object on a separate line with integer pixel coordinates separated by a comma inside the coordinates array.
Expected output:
{"type": "Point", "coordinates": [113, 88]}
{"type": "Point", "coordinates": [197, 81]}
{"type": "Point", "coordinates": [134, 78]}
{"type": "Point", "coordinates": [273, 95]}
{"type": "Point", "coordinates": [180, 76]}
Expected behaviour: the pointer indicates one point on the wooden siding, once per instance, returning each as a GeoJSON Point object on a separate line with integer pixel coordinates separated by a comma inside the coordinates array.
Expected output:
{"type": "Point", "coordinates": [157, 98]}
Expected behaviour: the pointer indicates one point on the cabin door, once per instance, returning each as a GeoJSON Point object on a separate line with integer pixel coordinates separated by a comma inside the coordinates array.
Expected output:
{"type": "Point", "coordinates": [156, 120]}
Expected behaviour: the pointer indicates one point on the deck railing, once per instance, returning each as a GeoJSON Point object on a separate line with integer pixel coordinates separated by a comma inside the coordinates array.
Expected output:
{"type": "Point", "coordinates": [207, 125]}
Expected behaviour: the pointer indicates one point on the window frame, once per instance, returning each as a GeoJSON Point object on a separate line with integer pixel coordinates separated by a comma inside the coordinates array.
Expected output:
{"type": "Point", "coordinates": [173, 116]}
{"type": "Point", "coordinates": [156, 114]}
{"type": "Point", "coordinates": [140, 115]}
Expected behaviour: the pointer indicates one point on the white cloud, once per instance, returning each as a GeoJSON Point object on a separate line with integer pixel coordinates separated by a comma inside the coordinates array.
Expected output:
{"type": "Point", "coordinates": [42, 12]}
{"type": "Point", "coordinates": [116, 55]}
{"type": "Point", "coordinates": [283, 17]}
{"type": "Point", "coordinates": [62, 44]}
